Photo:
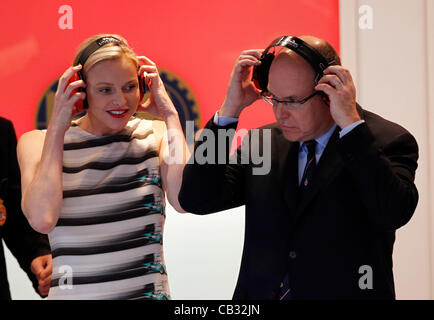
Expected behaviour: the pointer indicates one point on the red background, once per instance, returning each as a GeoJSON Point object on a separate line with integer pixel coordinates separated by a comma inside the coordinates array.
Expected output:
{"type": "Point", "coordinates": [197, 40]}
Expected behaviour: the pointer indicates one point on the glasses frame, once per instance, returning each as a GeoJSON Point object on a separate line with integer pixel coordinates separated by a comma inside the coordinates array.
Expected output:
{"type": "Point", "coordinates": [293, 104]}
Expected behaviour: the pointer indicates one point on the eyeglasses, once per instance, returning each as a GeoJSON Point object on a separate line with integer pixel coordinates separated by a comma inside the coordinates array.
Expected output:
{"type": "Point", "coordinates": [292, 104]}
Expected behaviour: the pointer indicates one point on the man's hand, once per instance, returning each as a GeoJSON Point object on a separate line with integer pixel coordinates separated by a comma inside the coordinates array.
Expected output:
{"type": "Point", "coordinates": [42, 269]}
{"type": "Point", "coordinates": [338, 84]}
{"type": "Point", "coordinates": [241, 91]}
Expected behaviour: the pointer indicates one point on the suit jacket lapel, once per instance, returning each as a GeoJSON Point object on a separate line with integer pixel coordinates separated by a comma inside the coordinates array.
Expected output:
{"type": "Point", "coordinates": [328, 166]}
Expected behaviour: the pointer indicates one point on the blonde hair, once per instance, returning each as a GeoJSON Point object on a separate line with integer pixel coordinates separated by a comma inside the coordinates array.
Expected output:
{"type": "Point", "coordinates": [108, 51]}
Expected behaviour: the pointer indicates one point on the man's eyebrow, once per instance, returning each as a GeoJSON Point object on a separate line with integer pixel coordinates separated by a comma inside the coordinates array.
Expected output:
{"type": "Point", "coordinates": [284, 98]}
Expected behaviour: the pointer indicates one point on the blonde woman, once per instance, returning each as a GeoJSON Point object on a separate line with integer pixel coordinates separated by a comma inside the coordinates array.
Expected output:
{"type": "Point", "coordinates": [97, 185]}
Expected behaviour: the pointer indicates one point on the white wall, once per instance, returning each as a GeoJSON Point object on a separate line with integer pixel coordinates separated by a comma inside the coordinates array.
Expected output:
{"type": "Point", "coordinates": [390, 66]}
{"type": "Point", "coordinates": [19, 283]}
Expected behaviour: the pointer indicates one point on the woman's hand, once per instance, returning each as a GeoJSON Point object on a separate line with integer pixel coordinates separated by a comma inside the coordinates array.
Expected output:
{"type": "Point", "coordinates": [159, 103]}
{"type": "Point", "coordinates": [65, 99]}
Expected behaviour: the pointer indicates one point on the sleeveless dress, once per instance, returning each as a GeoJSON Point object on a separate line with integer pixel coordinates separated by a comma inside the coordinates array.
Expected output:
{"type": "Point", "coordinates": [107, 243]}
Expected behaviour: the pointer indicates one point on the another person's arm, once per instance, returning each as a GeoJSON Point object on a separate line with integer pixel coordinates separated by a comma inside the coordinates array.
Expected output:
{"type": "Point", "coordinates": [28, 246]}
{"type": "Point", "coordinates": [212, 187]}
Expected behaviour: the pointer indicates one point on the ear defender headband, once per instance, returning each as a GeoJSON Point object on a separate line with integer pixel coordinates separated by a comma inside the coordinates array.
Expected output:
{"type": "Point", "coordinates": [311, 55]}
{"type": "Point", "coordinates": [87, 52]}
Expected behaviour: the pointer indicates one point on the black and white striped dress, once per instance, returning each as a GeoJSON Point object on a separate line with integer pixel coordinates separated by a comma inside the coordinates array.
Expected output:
{"type": "Point", "coordinates": [107, 243]}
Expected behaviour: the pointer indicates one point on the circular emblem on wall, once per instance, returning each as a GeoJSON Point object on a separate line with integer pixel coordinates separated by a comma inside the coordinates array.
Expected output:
{"type": "Point", "coordinates": [182, 97]}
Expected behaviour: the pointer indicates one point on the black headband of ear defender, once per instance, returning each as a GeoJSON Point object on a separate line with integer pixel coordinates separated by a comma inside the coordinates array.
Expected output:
{"type": "Point", "coordinates": [311, 55]}
{"type": "Point", "coordinates": [91, 48]}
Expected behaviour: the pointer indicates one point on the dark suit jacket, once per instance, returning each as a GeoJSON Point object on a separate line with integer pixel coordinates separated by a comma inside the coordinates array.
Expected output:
{"type": "Point", "coordinates": [24, 243]}
{"type": "Point", "coordinates": [361, 192]}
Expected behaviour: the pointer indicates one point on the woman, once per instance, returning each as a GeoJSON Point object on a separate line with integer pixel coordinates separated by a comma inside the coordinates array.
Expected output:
{"type": "Point", "coordinates": [96, 185]}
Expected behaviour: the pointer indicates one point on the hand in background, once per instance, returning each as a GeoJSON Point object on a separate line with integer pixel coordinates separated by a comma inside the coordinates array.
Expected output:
{"type": "Point", "coordinates": [42, 268]}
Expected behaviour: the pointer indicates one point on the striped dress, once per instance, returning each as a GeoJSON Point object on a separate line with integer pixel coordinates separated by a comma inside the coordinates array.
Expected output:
{"type": "Point", "coordinates": [107, 243]}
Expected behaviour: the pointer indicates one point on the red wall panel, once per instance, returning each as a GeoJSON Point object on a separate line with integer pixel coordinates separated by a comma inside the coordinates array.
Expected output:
{"type": "Point", "coordinates": [197, 40]}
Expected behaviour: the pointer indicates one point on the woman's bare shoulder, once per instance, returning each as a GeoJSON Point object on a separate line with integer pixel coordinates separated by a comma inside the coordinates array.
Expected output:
{"type": "Point", "coordinates": [33, 136]}
{"type": "Point", "coordinates": [31, 141]}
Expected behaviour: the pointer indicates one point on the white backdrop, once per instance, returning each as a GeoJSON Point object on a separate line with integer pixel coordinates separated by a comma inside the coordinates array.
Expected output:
{"type": "Point", "coordinates": [390, 56]}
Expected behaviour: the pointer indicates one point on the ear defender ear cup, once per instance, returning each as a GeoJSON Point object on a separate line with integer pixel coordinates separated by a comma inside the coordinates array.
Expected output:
{"type": "Point", "coordinates": [85, 104]}
{"type": "Point", "coordinates": [260, 72]}
{"type": "Point", "coordinates": [87, 52]}
{"type": "Point", "coordinates": [325, 98]}
{"type": "Point", "coordinates": [80, 103]}
{"type": "Point", "coordinates": [143, 87]}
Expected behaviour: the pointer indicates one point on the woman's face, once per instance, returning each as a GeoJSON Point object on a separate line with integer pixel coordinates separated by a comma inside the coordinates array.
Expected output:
{"type": "Point", "coordinates": [113, 94]}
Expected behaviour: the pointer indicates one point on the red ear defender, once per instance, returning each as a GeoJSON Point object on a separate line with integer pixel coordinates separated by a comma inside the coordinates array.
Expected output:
{"type": "Point", "coordinates": [79, 103]}
{"type": "Point", "coordinates": [325, 98]}
{"type": "Point", "coordinates": [142, 86]}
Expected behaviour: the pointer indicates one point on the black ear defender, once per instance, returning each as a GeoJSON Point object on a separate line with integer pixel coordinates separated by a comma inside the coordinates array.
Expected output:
{"type": "Point", "coordinates": [87, 52]}
{"type": "Point", "coordinates": [310, 54]}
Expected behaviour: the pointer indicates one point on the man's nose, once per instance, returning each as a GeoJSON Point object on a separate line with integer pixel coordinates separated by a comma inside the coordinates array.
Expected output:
{"type": "Point", "coordinates": [281, 111]}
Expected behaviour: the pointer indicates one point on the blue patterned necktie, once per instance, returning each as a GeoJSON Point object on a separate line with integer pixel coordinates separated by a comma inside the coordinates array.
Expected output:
{"type": "Point", "coordinates": [310, 165]}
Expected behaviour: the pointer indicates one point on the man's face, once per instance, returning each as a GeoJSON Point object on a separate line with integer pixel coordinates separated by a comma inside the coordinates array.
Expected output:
{"type": "Point", "coordinates": [292, 78]}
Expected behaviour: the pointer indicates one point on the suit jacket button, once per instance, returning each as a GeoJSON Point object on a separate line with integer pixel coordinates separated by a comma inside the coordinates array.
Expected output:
{"type": "Point", "coordinates": [292, 255]}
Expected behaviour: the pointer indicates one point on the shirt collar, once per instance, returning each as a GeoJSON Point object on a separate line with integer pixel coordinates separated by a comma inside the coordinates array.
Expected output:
{"type": "Point", "coordinates": [324, 139]}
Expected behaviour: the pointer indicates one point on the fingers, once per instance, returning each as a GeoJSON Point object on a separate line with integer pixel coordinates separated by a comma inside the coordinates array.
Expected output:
{"type": "Point", "coordinates": [36, 267]}
{"type": "Point", "coordinates": [257, 53]}
{"type": "Point", "coordinates": [43, 291]}
{"type": "Point", "coordinates": [343, 74]}
{"type": "Point", "coordinates": [243, 64]}
{"type": "Point", "coordinates": [66, 76]}
{"type": "Point", "coordinates": [74, 86]}
{"type": "Point", "coordinates": [43, 282]}
{"type": "Point", "coordinates": [249, 58]}
{"type": "Point", "coordinates": [338, 78]}
{"type": "Point", "coordinates": [146, 60]}
{"type": "Point", "coordinates": [44, 287]}
{"type": "Point", "coordinates": [148, 69]}
{"type": "Point", "coordinates": [45, 274]}
{"type": "Point", "coordinates": [42, 268]}
{"type": "Point", "coordinates": [332, 80]}
{"type": "Point", "coordinates": [67, 94]}
{"type": "Point", "coordinates": [326, 88]}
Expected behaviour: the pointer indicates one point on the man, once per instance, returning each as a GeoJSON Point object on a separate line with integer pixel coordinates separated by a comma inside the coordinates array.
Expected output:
{"type": "Point", "coordinates": [30, 248]}
{"type": "Point", "coordinates": [321, 223]}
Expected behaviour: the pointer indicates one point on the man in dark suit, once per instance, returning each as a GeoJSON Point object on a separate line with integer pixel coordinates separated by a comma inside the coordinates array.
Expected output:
{"type": "Point", "coordinates": [30, 248]}
{"type": "Point", "coordinates": [320, 223]}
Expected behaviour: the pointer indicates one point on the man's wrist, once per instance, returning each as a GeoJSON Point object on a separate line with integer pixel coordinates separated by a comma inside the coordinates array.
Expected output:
{"type": "Point", "coordinates": [350, 127]}
{"type": "Point", "coordinates": [230, 111]}
{"type": "Point", "coordinates": [350, 121]}
{"type": "Point", "coordinates": [223, 120]}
